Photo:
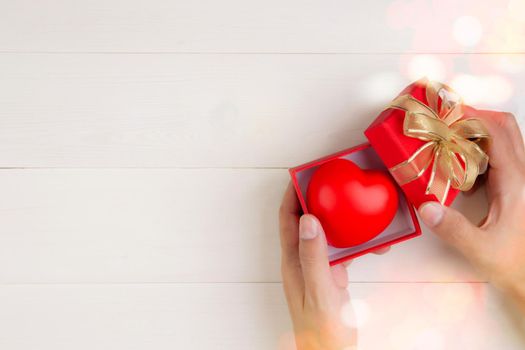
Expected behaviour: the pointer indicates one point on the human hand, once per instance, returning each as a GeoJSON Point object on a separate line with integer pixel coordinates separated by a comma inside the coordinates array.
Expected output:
{"type": "Point", "coordinates": [497, 246]}
{"type": "Point", "coordinates": [316, 293]}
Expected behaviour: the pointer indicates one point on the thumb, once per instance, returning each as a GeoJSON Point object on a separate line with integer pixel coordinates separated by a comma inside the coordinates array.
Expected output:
{"type": "Point", "coordinates": [451, 226]}
{"type": "Point", "coordinates": [313, 255]}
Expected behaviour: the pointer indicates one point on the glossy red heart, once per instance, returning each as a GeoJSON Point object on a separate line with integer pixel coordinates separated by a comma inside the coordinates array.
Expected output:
{"type": "Point", "coordinates": [353, 205]}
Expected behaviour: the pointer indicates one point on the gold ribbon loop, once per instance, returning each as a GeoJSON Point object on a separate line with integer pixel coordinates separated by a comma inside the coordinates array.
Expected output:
{"type": "Point", "coordinates": [455, 147]}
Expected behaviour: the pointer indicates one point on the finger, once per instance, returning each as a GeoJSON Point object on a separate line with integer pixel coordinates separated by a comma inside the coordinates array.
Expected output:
{"type": "Point", "coordinates": [313, 254]}
{"type": "Point", "coordinates": [507, 141]}
{"type": "Point", "coordinates": [340, 275]}
{"type": "Point", "coordinates": [508, 123]}
{"type": "Point", "coordinates": [289, 234]}
{"type": "Point", "coordinates": [506, 155]}
{"type": "Point", "coordinates": [453, 228]}
{"type": "Point", "coordinates": [289, 214]}
{"type": "Point", "coordinates": [513, 129]}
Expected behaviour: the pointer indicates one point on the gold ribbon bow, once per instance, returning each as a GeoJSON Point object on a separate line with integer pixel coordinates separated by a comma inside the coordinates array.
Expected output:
{"type": "Point", "coordinates": [455, 146]}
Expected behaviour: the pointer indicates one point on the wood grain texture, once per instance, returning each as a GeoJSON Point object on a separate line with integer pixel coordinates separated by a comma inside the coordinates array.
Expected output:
{"type": "Point", "coordinates": [253, 26]}
{"type": "Point", "coordinates": [208, 110]}
{"type": "Point", "coordinates": [144, 147]}
{"type": "Point", "coordinates": [142, 316]}
{"type": "Point", "coordinates": [244, 316]}
{"type": "Point", "coordinates": [178, 225]}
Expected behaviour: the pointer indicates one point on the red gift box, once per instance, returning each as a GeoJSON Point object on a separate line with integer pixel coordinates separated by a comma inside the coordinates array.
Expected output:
{"type": "Point", "coordinates": [390, 147]}
{"type": "Point", "coordinates": [386, 135]}
{"type": "Point", "coordinates": [404, 225]}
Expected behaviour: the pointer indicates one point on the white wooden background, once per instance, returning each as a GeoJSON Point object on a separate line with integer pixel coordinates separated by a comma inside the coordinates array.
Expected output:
{"type": "Point", "coordinates": [143, 152]}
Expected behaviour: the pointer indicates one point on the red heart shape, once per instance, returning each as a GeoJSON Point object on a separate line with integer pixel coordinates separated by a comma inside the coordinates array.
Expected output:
{"type": "Point", "coordinates": [353, 205]}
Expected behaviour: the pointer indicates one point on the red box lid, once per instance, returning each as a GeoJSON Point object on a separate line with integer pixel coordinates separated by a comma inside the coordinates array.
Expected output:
{"type": "Point", "coordinates": [386, 136]}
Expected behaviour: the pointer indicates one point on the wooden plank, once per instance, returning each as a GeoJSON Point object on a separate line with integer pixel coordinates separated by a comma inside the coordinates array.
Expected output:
{"type": "Point", "coordinates": [173, 225]}
{"type": "Point", "coordinates": [215, 110]}
{"type": "Point", "coordinates": [142, 316]}
{"type": "Point", "coordinates": [257, 26]}
{"type": "Point", "coordinates": [191, 316]}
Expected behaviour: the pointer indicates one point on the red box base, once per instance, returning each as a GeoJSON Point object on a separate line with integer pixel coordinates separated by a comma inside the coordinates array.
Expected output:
{"type": "Point", "coordinates": [404, 225]}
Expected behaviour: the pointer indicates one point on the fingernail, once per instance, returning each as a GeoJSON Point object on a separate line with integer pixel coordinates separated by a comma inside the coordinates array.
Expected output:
{"type": "Point", "coordinates": [309, 227]}
{"type": "Point", "coordinates": [431, 213]}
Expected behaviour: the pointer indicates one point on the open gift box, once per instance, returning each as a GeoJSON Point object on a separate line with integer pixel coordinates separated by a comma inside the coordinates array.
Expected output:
{"type": "Point", "coordinates": [404, 225]}
{"type": "Point", "coordinates": [429, 147]}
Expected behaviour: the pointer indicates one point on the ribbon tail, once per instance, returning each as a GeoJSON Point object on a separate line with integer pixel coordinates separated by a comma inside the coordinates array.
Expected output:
{"type": "Point", "coordinates": [415, 166]}
{"type": "Point", "coordinates": [440, 179]}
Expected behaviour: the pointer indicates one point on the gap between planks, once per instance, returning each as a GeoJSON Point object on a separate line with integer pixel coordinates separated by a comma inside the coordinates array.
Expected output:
{"type": "Point", "coordinates": [332, 53]}
{"type": "Point", "coordinates": [222, 283]}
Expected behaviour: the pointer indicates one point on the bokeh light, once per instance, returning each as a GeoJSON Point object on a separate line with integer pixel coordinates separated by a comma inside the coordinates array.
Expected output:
{"type": "Point", "coordinates": [402, 334]}
{"type": "Point", "coordinates": [348, 316]}
{"type": "Point", "coordinates": [498, 89]}
{"type": "Point", "coordinates": [356, 313]}
{"type": "Point", "coordinates": [517, 10]}
{"type": "Point", "coordinates": [467, 31]}
{"type": "Point", "coordinates": [507, 35]}
{"type": "Point", "coordinates": [381, 87]}
{"type": "Point", "coordinates": [455, 304]}
{"type": "Point", "coordinates": [362, 311]}
{"type": "Point", "coordinates": [429, 339]}
{"type": "Point", "coordinates": [468, 86]}
{"type": "Point", "coordinates": [482, 90]}
{"type": "Point", "coordinates": [440, 31]}
{"type": "Point", "coordinates": [509, 63]}
{"type": "Point", "coordinates": [428, 66]}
